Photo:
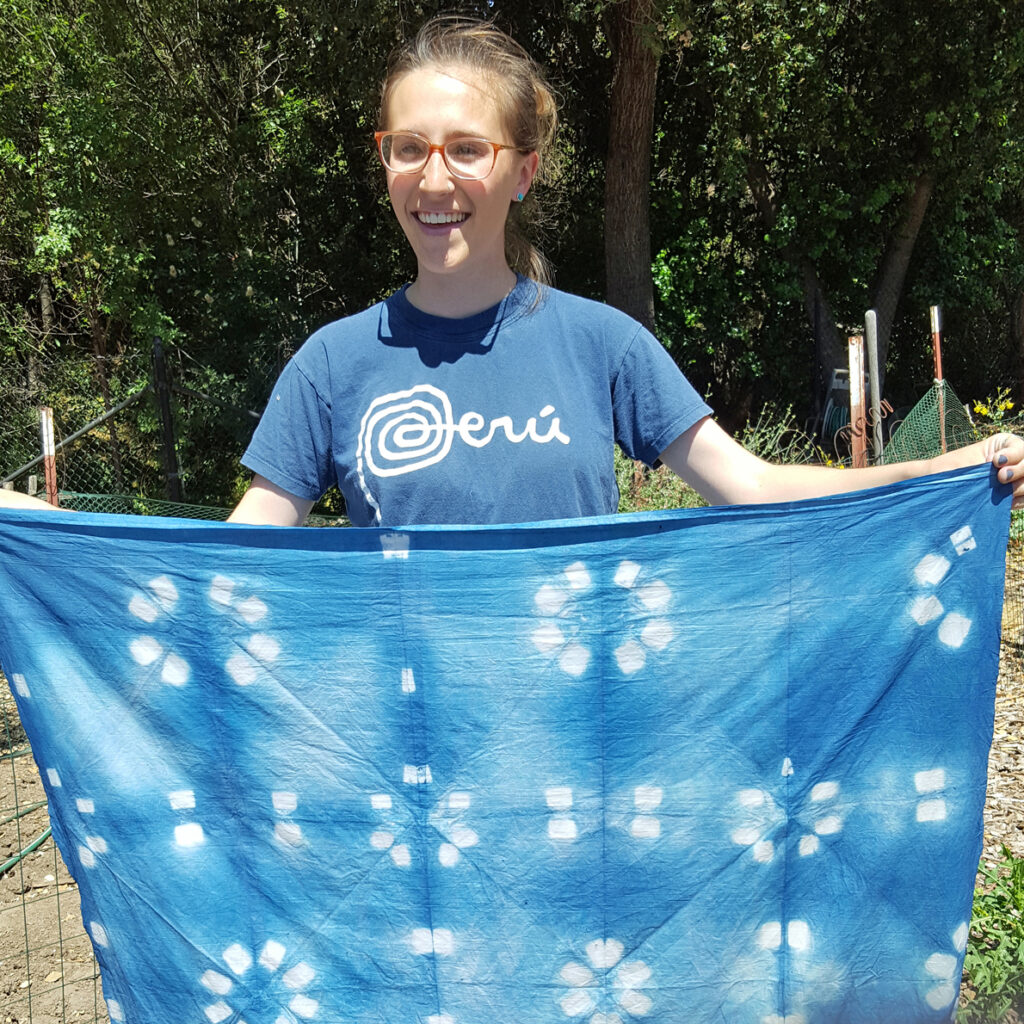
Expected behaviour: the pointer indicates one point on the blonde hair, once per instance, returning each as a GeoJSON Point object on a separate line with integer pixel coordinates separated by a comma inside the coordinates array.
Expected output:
{"type": "Point", "coordinates": [525, 99]}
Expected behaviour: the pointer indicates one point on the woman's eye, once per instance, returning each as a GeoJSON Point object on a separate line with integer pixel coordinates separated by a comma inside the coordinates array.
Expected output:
{"type": "Point", "coordinates": [408, 148]}
{"type": "Point", "coordinates": [467, 149]}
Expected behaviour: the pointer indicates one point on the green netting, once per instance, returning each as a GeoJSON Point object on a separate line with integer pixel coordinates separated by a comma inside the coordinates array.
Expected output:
{"type": "Point", "coordinates": [135, 505]}
{"type": "Point", "coordinates": [921, 435]}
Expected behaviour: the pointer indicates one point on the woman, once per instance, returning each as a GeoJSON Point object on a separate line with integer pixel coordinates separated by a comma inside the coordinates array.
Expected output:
{"type": "Point", "coordinates": [479, 394]}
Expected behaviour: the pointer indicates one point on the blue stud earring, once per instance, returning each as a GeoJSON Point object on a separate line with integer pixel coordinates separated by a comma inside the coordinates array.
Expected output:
{"type": "Point", "coordinates": [519, 197]}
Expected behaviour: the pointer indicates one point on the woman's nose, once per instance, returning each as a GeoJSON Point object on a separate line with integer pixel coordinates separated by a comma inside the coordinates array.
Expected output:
{"type": "Point", "coordinates": [435, 175]}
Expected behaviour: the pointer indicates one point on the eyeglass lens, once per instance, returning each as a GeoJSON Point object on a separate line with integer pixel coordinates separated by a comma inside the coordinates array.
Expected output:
{"type": "Point", "coordinates": [406, 153]}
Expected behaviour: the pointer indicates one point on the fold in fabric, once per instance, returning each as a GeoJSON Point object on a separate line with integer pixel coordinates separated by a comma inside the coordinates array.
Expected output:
{"type": "Point", "coordinates": [723, 765]}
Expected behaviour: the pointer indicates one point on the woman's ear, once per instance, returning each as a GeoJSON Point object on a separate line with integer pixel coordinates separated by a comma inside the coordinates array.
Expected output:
{"type": "Point", "coordinates": [527, 173]}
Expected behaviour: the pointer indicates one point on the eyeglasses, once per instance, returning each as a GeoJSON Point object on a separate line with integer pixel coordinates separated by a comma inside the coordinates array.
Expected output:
{"type": "Point", "coordinates": [408, 153]}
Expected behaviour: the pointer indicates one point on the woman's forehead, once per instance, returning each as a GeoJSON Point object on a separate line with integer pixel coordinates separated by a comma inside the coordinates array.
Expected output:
{"type": "Point", "coordinates": [451, 98]}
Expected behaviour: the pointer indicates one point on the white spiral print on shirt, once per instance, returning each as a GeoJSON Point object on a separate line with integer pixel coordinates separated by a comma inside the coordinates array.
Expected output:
{"type": "Point", "coordinates": [406, 431]}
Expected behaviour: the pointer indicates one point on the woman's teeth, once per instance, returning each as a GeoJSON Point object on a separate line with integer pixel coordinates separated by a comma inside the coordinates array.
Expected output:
{"type": "Point", "coordinates": [426, 217]}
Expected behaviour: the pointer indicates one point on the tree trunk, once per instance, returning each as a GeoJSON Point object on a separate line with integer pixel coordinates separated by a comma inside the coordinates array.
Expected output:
{"type": "Point", "coordinates": [893, 271]}
{"type": "Point", "coordinates": [98, 331]}
{"type": "Point", "coordinates": [1017, 343]}
{"type": "Point", "coordinates": [627, 233]}
{"type": "Point", "coordinates": [830, 351]}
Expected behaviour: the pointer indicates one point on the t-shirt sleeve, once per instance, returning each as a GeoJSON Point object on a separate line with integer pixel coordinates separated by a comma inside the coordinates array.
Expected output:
{"type": "Point", "coordinates": [653, 403]}
{"type": "Point", "coordinates": [292, 443]}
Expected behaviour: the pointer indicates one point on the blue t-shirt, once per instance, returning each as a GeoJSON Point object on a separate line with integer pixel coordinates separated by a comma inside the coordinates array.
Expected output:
{"type": "Point", "coordinates": [506, 416]}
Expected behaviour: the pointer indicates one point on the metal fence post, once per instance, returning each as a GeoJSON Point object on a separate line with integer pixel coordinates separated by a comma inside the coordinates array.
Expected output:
{"type": "Point", "coordinates": [49, 453]}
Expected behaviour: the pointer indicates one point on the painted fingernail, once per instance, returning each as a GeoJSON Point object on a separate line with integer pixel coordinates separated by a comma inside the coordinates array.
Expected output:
{"type": "Point", "coordinates": [1001, 461]}
{"type": "Point", "coordinates": [1007, 476]}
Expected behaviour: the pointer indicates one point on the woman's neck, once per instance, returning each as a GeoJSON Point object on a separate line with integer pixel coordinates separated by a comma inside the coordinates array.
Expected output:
{"type": "Point", "coordinates": [452, 295]}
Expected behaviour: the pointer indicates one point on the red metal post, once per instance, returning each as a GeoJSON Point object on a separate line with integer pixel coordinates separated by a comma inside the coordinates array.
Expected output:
{"type": "Point", "coordinates": [49, 454]}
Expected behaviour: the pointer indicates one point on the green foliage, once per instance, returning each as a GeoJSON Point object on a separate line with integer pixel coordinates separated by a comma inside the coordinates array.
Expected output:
{"type": "Point", "coordinates": [994, 962]}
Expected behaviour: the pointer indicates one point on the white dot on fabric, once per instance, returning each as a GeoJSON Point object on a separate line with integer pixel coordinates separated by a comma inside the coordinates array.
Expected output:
{"type": "Point", "coordinates": [960, 937]}
{"type": "Point", "coordinates": [630, 657]}
{"type": "Point", "coordinates": [558, 798]}
{"type": "Point", "coordinates": [165, 591]}
{"type": "Point", "coordinates": [96, 843]}
{"type": "Point", "coordinates": [289, 833]}
{"type": "Point", "coordinates": [284, 802]}
{"type": "Point", "coordinates": [763, 851]}
{"type": "Point", "coordinates": [924, 609]}
{"type": "Point", "coordinates": [954, 629]}
{"type": "Point", "coordinates": [646, 798]}
{"type": "Point", "coordinates": [20, 686]}
{"type": "Point", "coordinates": [440, 1018]}
{"type": "Point", "coordinates": [825, 791]}
{"type": "Point", "coordinates": [218, 1011]}
{"type": "Point", "coordinates": [657, 634]}
{"type": "Point", "coordinates": [931, 570]}
{"type": "Point", "coordinates": [829, 825]}
{"type": "Point", "coordinates": [242, 669]}
{"type": "Point", "coordinates": [605, 953]}
{"type": "Point", "coordinates": [217, 983]}
{"type": "Point", "coordinates": [963, 540]}
{"type": "Point", "coordinates": [85, 806]}
{"type": "Point", "coordinates": [941, 965]}
{"type": "Point", "coordinates": [654, 595]}
{"type": "Point", "coordinates": [189, 835]}
{"type": "Point", "coordinates": [787, 767]}
{"type": "Point", "coordinates": [220, 589]}
{"type": "Point", "coordinates": [53, 777]}
{"type": "Point", "coordinates": [114, 1010]}
{"type": "Point", "coordinates": [550, 600]}
{"type": "Point", "coordinates": [632, 975]}
{"type": "Point", "coordinates": [746, 836]}
{"type": "Point", "coordinates": [645, 827]}
{"type": "Point", "coordinates": [941, 996]}
{"type": "Point", "coordinates": [751, 797]}
{"type": "Point", "coordinates": [577, 576]}
{"type": "Point", "coordinates": [463, 837]}
{"type": "Point", "coordinates": [272, 955]}
{"type": "Point", "coordinates": [401, 856]}
{"type": "Point", "coordinates": [252, 609]}
{"type": "Point", "coordinates": [98, 933]}
{"type": "Point", "coordinates": [175, 671]}
{"type": "Point", "coordinates": [448, 855]}
{"type": "Point", "coordinates": [264, 647]}
{"type": "Point", "coordinates": [182, 799]}
{"type": "Point", "coordinates": [459, 801]}
{"type": "Point", "coordinates": [408, 681]}
{"type": "Point", "coordinates": [573, 660]}
{"type": "Point", "coordinates": [298, 976]}
{"type": "Point", "coordinates": [143, 609]}
{"type": "Point", "coordinates": [380, 802]}
{"type": "Point", "coordinates": [416, 775]}
{"type": "Point", "coordinates": [145, 650]}
{"type": "Point", "coordinates": [576, 975]}
{"type": "Point", "coordinates": [798, 936]}
{"type": "Point", "coordinates": [547, 637]}
{"type": "Point", "coordinates": [562, 829]}
{"type": "Point", "coordinates": [769, 935]}
{"type": "Point", "coordinates": [422, 941]}
{"type": "Point", "coordinates": [87, 857]}
{"type": "Point", "coordinates": [576, 1003]}
{"type": "Point", "coordinates": [635, 1003]}
{"type": "Point", "coordinates": [626, 574]}
{"type": "Point", "coordinates": [931, 810]}
{"type": "Point", "coordinates": [381, 841]}
{"type": "Point", "coordinates": [808, 845]}
{"type": "Point", "coordinates": [395, 545]}
{"type": "Point", "coordinates": [303, 1006]}
{"type": "Point", "coordinates": [929, 781]}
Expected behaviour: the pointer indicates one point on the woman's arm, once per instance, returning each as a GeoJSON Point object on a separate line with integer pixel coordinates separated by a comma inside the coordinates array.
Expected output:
{"type": "Point", "coordinates": [725, 473]}
{"type": "Point", "coordinates": [266, 504]}
{"type": "Point", "coordinates": [15, 499]}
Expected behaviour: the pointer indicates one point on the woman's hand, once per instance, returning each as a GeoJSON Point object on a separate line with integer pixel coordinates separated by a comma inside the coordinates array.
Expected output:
{"type": "Point", "coordinates": [1006, 453]}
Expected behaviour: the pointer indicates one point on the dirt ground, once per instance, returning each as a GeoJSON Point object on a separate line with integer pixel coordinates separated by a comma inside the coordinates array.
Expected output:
{"type": "Point", "coordinates": [57, 982]}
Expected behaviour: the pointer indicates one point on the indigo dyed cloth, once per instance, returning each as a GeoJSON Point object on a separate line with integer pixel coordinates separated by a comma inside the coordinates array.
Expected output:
{"type": "Point", "coordinates": [713, 766]}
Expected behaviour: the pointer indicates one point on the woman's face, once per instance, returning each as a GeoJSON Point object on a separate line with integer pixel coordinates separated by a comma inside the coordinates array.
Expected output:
{"type": "Point", "coordinates": [444, 104]}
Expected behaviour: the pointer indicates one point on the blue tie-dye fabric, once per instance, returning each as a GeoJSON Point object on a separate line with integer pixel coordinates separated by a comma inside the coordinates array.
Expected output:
{"type": "Point", "coordinates": [718, 766]}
